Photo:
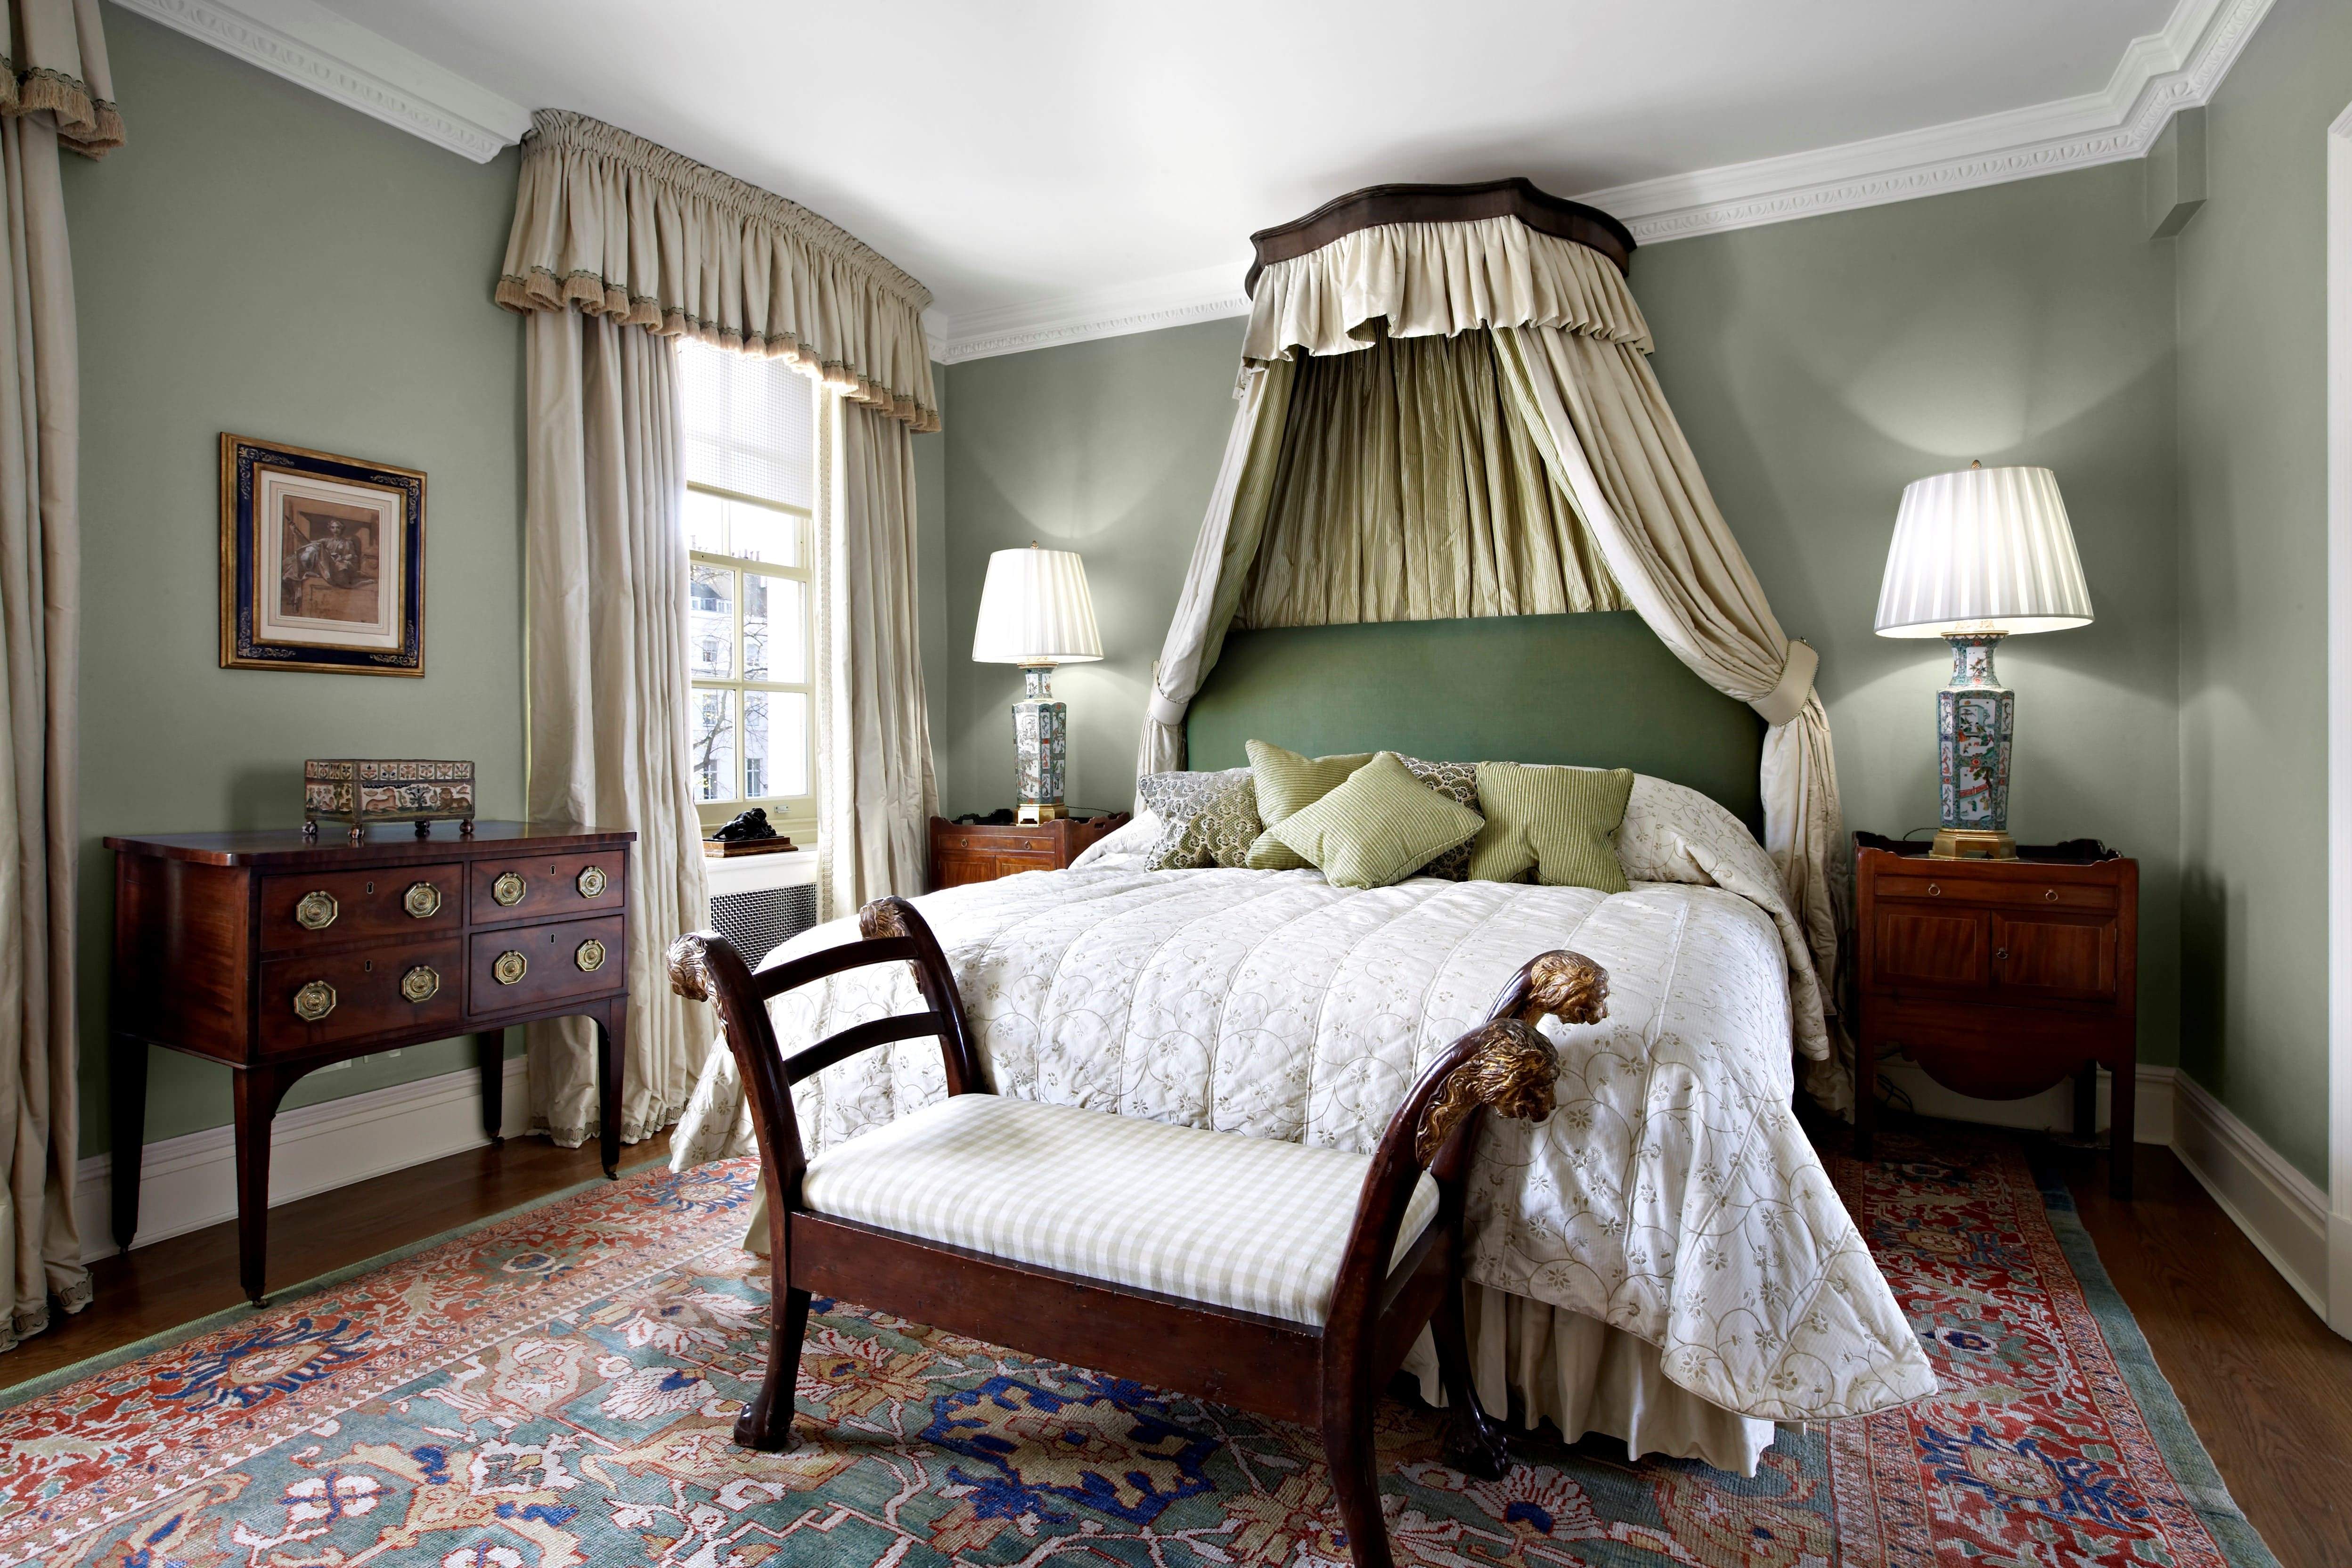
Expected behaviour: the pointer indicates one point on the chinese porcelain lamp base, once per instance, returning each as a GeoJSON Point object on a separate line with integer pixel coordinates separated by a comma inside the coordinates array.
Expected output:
{"type": "Point", "coordinates": [1040, 746]}
{"type": "Point", "coordinates": [1975, 717]}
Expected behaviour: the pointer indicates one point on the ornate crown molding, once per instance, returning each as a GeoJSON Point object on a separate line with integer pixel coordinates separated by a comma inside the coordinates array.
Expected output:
{"type": "Point", "coordinates": [308, 44]}
{"type": "Point", "coordinates": [1175, 301]}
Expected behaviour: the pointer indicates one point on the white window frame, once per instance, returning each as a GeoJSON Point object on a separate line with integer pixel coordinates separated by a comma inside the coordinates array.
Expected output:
{"type": "Point", "coordinates": [792, 815]}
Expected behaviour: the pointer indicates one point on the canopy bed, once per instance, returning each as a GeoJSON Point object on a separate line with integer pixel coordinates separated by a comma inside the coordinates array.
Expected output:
{"type": "Point", "coordinates": [1455, 519]}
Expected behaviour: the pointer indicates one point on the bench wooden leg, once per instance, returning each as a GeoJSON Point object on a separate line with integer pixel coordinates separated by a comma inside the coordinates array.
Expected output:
{"type": "Point", "coordinates": [1474, 1441]}
{"type": "Point", "coordinates": [766, 1423]}
{"type": "Point", "coordinates": [1355, 1478]}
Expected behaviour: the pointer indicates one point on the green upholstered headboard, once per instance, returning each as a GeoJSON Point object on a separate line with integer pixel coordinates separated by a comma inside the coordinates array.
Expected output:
{"type": "Point", "coordinates": [1597, 690]}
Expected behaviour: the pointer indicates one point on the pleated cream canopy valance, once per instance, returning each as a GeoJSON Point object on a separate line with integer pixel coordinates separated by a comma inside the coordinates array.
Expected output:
{"type": "Point", "coordinates": [56, 60]}
{"type": "Point", "coordinates": [613, 225]}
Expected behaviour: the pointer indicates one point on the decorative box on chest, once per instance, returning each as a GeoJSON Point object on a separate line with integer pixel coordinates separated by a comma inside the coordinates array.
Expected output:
{"type": "Point", "coordinates": [278, 955]}
{"type": "Point", "coordinates": [360, 791]}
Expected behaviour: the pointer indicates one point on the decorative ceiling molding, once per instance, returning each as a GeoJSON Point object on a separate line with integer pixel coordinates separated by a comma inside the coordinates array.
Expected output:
{"type": "Point", "coordinates": [2160, 74]}
{"type": "Point", "coordinates": [1174, 301]}
{"type": "Point", "coordinates": [308, 44]}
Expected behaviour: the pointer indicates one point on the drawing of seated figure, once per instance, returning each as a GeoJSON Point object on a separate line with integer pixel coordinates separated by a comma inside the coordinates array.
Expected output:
{"type": "Point", "coordinates": [327, 574]}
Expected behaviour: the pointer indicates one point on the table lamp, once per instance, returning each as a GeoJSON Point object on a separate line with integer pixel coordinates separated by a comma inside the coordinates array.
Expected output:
{"type": "Point", "coordinates": [1978, 555]}
{"type": "Point", "coordinates": [1036, 612]}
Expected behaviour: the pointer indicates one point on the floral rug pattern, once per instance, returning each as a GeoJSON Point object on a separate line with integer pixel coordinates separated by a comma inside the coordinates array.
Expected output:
{"type": "Point", "coordinates": [557, 1387]}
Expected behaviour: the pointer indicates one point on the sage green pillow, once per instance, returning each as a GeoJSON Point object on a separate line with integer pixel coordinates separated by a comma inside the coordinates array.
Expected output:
{"type": "Point", "coordinates": [1287, 783]}
{"type": "Point", "coordinates": [1380, 827]}
{"type": "Point", "coordinates": [1557, 822]}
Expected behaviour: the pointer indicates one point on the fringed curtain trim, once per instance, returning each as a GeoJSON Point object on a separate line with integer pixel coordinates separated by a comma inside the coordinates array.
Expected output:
{"type": "Point", "coordinates": [54, 59]}
{"type": "Point", "coordinates": [1437, 280]}
{"type": "Point", "coordinates": [613, 225]}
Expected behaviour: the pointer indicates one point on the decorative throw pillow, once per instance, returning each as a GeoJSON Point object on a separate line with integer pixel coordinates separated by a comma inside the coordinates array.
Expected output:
{"type": "Point", "coordinates": [1378, 827]}
{"type": "Point", "coordinates": [1458, 782]}
{"type": "Point", "coordinates": [1556, 821]}
{"type": "Point", "coordinates": [1208, 819]}
{"type": "Point", "coordinates": [1287, 783]}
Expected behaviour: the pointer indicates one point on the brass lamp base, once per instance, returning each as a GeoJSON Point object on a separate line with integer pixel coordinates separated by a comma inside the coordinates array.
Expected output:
{"type": "Point", "coordinates": [1040, 810]}
{"type": "Point", "coordinates": [1972, 843]}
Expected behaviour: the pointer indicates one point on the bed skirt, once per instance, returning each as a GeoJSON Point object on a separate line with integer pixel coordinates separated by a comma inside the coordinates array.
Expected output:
{"type": "Point", "coordinates": [1574, 1371]}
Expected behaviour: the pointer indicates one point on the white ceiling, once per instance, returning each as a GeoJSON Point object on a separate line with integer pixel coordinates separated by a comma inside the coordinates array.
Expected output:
{"type": "Point", "coordinates": [1014, 152]}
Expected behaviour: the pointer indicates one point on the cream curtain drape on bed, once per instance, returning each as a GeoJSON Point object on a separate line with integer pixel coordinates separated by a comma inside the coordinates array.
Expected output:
{"type": "Point", "coordinates": [56, 92]}
{"type": "Point", "coordinates": [1569, 344]}
{"type": "Point", "coordinates": [875, 792]}
{"type": "Point", "coordinates": [604, 582]}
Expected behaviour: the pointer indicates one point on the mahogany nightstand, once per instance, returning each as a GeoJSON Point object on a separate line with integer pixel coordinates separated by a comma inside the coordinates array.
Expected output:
{"type": "Point", "coordinates": [2001, 977]}
{"type": "Point", "coordinates": [983, 851]}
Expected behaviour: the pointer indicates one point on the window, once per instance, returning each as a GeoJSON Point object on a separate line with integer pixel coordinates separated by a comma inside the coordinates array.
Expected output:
{"type": "Point", "coordinates": [750, 430]}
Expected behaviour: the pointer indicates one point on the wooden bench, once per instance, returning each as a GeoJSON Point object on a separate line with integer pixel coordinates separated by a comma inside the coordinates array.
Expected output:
{"type": "Point", "coordinates": [1284, 1279]}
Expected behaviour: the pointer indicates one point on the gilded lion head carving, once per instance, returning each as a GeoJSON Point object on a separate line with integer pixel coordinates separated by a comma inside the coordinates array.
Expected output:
{"type": "Point", "coordinates": [1511, 1070]}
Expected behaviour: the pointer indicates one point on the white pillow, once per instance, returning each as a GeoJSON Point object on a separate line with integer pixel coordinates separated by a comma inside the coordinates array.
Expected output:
{"type": "Point", "coordinates": [1121, 844]}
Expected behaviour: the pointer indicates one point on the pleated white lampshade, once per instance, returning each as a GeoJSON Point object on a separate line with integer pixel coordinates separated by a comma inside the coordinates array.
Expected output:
{"type": "Point", "coordinates": [1035, 609]}
{"type": "Point", "coordinates": [1982, 550]}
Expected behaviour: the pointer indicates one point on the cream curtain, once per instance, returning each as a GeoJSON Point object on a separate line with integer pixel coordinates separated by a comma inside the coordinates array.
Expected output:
{"type": "Point", "coordinates": [55, 91]}
{"type": "Point", "coordinates": [605, 580]}
{"type": "Point", "coordinates": [617, 225]}
{"type": "Point", "coordinates": [1410, 488]}
{"type": "Point", "coordinates": [876, 790]}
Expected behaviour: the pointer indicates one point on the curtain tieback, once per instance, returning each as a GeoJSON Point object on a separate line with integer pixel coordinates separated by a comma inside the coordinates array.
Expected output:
{"type": "Point", "coordinates": [1163, 711]}
{"type": "Point", "coordinates": [1786, 700]}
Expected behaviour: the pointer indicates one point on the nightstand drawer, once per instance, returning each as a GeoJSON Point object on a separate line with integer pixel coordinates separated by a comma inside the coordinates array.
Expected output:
{"type": "Point", "coordinates": [2006, 890]}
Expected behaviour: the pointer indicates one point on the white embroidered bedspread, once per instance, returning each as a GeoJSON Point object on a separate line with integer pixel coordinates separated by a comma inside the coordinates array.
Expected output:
{"type": "Point", "coordinates": [1671, 1194]}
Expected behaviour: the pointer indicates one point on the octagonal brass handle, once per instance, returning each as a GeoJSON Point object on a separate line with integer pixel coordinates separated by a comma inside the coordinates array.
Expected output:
{"type": "Point", "coordinates": [420, 984]}
{"type": "Point", "coordinates": [591, 882]}
{"type": "Point", "coordinates": [508, 889]}
{"type": "Point", "coordinates": [590, 955]}
{"type": "Point", "coordinates": [317, 910]}
{"type": "Point", "coordinates": [510, 967]}
{"type": "Point", "coordinates": [314, 1001]}
{"type": "Point", "coordinates": [423, 901]}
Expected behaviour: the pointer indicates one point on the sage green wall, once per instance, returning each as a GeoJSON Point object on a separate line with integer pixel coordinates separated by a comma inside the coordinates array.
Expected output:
{"type": "Point", "coordinates": [260, 260]}
{"type": "Point", "coordinates": [2253, 456]}
{"type": "Point", "coordinates": [1817, 366]}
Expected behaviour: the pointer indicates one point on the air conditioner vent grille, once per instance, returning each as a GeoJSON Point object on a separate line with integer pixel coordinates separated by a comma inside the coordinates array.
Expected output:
{"type": "Point", "coordinates": [760, 921]}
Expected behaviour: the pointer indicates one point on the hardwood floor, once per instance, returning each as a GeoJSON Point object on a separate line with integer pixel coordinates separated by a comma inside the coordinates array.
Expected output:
{"type": "Point", "coordinates": [167, 1283]}
{"type": "Point", "coordinates": [2266, 1384]}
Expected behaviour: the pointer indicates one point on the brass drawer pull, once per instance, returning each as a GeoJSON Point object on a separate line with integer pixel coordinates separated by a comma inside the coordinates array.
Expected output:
{"type": "Point", "coordinates": [1935, 891]}
{"type": "Point", "coordinates": [2001, 953]}
{"type": "Point", "coordinates": [2049, 895]}
{"type": "Point", "coordinates": [508, 889]}
{"type": "Point", "coordinates": [590, 954]}
{"type": "Point", "coordinates": [423, 901]}
{"type": "Point", "coordinates": [510, 967]}
{"type": "Point", "coordinates": [317, 912]}
{"type": "Point", "coordinates": [314, 1001]}
{"type": "Point", "coordinates": [420, 984]}
{"type": "Point", "coordinates": [591, 883]}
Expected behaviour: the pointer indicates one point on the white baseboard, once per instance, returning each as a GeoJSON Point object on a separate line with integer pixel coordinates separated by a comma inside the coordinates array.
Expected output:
{"type": "Point", "coordinates": [190, 1182]}
{"type": "Point", "coordinates": [2282, 1211]}
{"type": "Point", "coordinates": [2052, 1110]}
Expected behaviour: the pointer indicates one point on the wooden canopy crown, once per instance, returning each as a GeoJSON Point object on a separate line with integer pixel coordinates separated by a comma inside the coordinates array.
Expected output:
{"type": "Point", "coordinates": [1481, 199]}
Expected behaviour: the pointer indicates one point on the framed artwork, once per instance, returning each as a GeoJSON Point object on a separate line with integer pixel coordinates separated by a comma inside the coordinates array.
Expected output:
{"type": "Point", "coordinates": [322, 562]}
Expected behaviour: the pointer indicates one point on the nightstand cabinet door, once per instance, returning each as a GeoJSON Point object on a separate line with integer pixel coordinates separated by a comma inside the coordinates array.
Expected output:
{"type": "Point", "coordinates": [952, 867]}
{"type": "Point", "coordinates": [2037, 955]}
{"type": "Point", "coordinates": [963, 852]}
{"type": "Point", "coordinates": [1935, 949]}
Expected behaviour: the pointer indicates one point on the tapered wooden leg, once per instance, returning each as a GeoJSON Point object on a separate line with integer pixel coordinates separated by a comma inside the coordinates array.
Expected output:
{"type": "Point", "coordinates": [766, 1423]}
{"type": "Point", "coordinates": [258, 1092]}
{"type": "Point", "coordinates": [2123, 1096]}
{"type": "Point", "coordinates": [610, 1027]}
{"type": "Point", "coordinates": [1355, 1480]}
{"type": "Point", "coordinates": [490, 1060]}
{"type": "Point", "coordinates": [1473, 1442]}
{"type": "Point", "coordinates": [2087, 1102]}
{"type": "Point", "coordinates": [127, 1102]}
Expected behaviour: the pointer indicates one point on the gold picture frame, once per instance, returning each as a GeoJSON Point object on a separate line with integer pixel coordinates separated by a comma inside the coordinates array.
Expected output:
{"type": "Point", "coordinates": [322, 561]}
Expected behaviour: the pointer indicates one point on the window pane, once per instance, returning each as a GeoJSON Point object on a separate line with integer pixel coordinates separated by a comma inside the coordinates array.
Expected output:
{"type": "Point", "coordinates": [775, 628]}
{"type": "Point", "coordinates": [755, 533]}
{"type": "Point", "coordinates": [775, 744]}
{"type": "Point", "coordinates": [711, 748]}
{"type": "Point", "coordinates": [709, 622]}
{"type": "Point", "coordinates": [705, 523]}
{"type": "Point", "coordinates": [751, 424]}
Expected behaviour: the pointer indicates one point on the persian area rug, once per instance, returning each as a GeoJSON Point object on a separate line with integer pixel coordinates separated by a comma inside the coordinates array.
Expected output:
{"type": "Point", "coordinates": [556, 1388]}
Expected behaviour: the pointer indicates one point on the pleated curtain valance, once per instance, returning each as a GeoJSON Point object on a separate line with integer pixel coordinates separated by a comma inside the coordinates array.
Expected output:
{"type": "Point", "coordinates": [613, 225]}
{"type": "Point", "coordinates": [1437, 280]}
{"type": "Point", "coordinates": [56, 60]}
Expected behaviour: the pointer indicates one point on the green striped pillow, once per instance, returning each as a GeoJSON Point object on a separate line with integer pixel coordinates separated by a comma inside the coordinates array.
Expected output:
{"type": "Point", "coordinates": [1378, 827]}
{"type": "Point", "coordinates": [1557, 822]}
{"type": "Point", "coordinates": [1287, 783]}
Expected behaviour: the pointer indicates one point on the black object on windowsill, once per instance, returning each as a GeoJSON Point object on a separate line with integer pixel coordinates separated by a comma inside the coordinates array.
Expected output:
{"type": "Point", "coordinates": [2066, 851]}
{"type": "Point", "coordinates": [745, 826]}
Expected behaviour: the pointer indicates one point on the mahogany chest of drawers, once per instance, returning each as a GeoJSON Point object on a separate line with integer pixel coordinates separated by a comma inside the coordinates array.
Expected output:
{"type": "Point", "coordinates": [983, 851]}
{"type": "Point", "coordinates": [2001, 978]}
{"type": "Point", "coordinates": [278, 955]}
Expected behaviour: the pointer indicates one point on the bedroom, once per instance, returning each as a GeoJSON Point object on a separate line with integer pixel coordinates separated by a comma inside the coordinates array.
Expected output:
{"type": "Point", "coordinates": [2099, 244]}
